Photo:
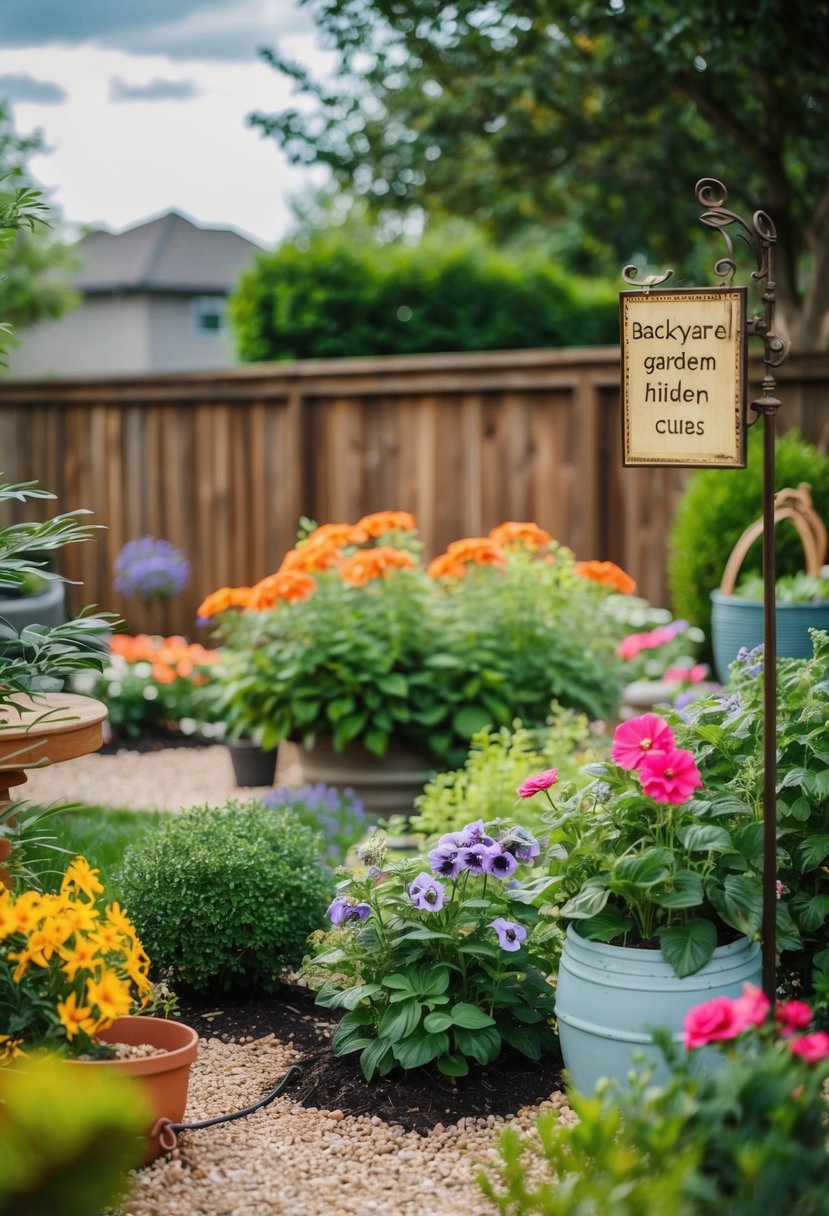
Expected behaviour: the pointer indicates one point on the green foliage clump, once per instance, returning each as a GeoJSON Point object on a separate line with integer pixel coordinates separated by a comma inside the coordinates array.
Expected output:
{"type": "Point", "coordinates": [339, 293]}
{"type": "Point", "coordinates": [66, 1147]}
{"type": "Point", "coordinates": [497, 763]}
{"type": "Point", "coordinates": [716, 508]}
{"type": "Point", "coordinates": [225, 897]}
{"type": "Point", "coordinates": [745, 1135]}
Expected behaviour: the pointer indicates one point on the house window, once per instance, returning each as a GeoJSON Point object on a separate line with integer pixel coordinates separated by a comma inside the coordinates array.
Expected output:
{"type": "Point", "coordinates": [209, 315]}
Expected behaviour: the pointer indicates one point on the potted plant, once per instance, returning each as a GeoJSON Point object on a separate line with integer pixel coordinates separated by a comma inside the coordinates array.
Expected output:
{"type": "Point", "coordinates": [353, 644]}
{"type": "Point", "coordinates": [661, 881]}
{"type": "Point", "coordinates": [802, 599]}
{"type": "Point", "coordinates": [73, 979]}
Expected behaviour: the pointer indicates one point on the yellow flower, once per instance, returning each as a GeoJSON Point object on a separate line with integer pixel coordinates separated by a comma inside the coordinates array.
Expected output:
{"type": "Point", "coordinates": [23, 958]}
{"type": "Point", "coordinates": [10, 1049]}
{"type": "Point", "coordinates": [74, 1017]}
{"type": "Point", "coordinates": [107, 937]}
{"type": "Point", "coordinates": [27, 907]}
{"type": "Point", "coordinates": [82, 877]}
{"type": "Point", "coordinates": [81, 917]}
{"type": "Point", "coordinates": [117, 917]}
{"type": "Point", "coordinates": [110, 994]}
{"type": "Point", "coordinates": [83, 956]}
{"type": "Point", "coordinates": [8, 915]}
{"type": "Point", "coordinates": [137, 966]}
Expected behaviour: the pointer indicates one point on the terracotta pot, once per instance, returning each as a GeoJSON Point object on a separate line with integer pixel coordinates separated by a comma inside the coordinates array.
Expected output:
{"type": "Point", "coordinates": [163, 1078]}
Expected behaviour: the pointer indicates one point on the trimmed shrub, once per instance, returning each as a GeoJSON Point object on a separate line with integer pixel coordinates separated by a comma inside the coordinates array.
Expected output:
{"type": "Point", "coordinates": [225, 897]}
{"type": "Point", "coordinates": [716, 508]}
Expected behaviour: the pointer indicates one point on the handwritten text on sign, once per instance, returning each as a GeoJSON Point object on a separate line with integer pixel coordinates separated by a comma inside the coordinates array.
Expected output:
{"type": "Point", "coordinates": [683, 377]}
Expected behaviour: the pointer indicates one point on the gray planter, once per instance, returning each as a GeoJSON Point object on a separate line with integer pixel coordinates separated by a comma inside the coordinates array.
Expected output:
{"type": "Point", "coordinates": [46, 608]}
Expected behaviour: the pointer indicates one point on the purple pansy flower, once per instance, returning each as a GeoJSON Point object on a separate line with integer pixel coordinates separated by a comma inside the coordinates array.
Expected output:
{"type": "Point", "coordinates": [446, 861]}
{"type": "Point", "coordinates": [475, 858]}
{"type": "Point", "coordinates": [510, 935]}
{"type": "Point", "coordinates": [522, 844]}
{"type": "Point", "coordinates": [474, 833]}
{"type": "Point", "coordinates": [344, 908]}
{"type": "Point", "coordinates": [500, 864]}
{"type": "Point", "coordinates": [427, 894]}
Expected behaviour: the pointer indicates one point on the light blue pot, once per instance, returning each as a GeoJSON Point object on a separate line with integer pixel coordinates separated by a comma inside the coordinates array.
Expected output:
{"type": "Point", "coordinates": [609, 999]}
{"type": "Point", "coordinates": [737, 622]}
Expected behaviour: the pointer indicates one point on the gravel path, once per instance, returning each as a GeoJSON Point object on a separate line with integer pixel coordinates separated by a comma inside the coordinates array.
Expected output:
{"type": "Point", "coordinates": [285, 1160]}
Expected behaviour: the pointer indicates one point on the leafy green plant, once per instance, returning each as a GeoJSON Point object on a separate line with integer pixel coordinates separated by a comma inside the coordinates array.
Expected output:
{"type": "Point", "coordinates": [497, 762]}
{"type": "Point", "coordinates": [790, 589]}
{"type": "Point", "coordinates": [225, 897]}
{"type": "Point", "coordinates": [726, 733]}
{"type": "Point", "coordinates": [716, 508]}
{"type": "Point", "coordinates": [66, 1148]}
{"type": "Point", "coordinates": [746, 1134]}
{"type": "Point", "coordinates": [444, 964]}
{"type": "Point", "coordinates": [645, 854]}
{"type": "Point", "coordinates": [352, 638]}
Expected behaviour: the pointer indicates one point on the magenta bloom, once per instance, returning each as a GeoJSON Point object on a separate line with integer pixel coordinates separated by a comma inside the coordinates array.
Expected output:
{"type": "Point", "coordinates": [811, 1047]}
{"type": "Point", "coordinates": [752, 1007]}
{"type": "Point", "coordinates": [711, 1022]}
{"type": "Point", "coordinates": [541, 781]}
{"type": "Point", "coordinates": [670, 776]}
{"type": "Point", "coordinates": [510, 935]}
{"type": "Point", "coordinates": [638, 737]}
{"type": "Point", "coordinates": [792, 1015]}
{"type": "Point", "coordinates": [427, 894]}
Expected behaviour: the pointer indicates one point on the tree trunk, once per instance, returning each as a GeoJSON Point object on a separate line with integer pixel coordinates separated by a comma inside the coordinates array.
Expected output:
{"type": "Point", "coordinates": [810, 326]}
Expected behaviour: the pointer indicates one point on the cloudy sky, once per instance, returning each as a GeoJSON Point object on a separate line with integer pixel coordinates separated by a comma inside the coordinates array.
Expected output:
{"type": "Point", "coordinates": [143, 104]}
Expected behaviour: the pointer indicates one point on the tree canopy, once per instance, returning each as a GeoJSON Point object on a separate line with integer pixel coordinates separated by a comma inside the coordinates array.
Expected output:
{"type": "Point", "coordinates": [598, 117]}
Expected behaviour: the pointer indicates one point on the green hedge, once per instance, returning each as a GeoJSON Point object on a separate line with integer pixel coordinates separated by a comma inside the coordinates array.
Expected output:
{"type": "Point", "coordinates": [339, 294]}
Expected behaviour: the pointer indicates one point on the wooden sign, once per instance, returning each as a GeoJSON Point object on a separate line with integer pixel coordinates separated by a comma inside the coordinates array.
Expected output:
{"type": "Point", "coordinates": [684, 377]}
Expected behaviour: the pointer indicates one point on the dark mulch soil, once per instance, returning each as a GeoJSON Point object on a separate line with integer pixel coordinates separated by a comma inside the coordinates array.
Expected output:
{"type": "Point", "coordinates": [151, 740]}
{"type": "Point", "coordinates": [415, 1100]}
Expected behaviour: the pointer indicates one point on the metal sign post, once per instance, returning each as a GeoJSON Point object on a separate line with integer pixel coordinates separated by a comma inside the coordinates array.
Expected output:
{"type": "Point", "coordinates": [683, 403]}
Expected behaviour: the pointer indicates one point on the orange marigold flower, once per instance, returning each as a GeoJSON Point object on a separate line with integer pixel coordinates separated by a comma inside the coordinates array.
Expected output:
{"type": "Point", "coordinates": [445, 566]}
{"type": "Point", "coordinates": [337, 536]}
{"type": "Point", "coordinates": [275, 588]}
{"type": "Point", "coordinates": [308, 558]}
{"type": "Point", "coordinates": [223, 600]}
{"type": "Point", "coordinates": [381, 522]}
{"type": "Point", "coordinates": [607, 573]}
{"type": "Point", "coordinates": [527, 534]}
{"type": "Point", "coordinates": [477, 549]}
{"type": "Point", "coordinates": [369, 564]}
{"type": "Point", "coordinates": [162, 674]}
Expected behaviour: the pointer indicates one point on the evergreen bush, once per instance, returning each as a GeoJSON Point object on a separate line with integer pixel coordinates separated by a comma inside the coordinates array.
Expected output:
{"type": "Point", "coordinates": [225, 897]}
{"type": "Point", "coordinates": [716, 508]}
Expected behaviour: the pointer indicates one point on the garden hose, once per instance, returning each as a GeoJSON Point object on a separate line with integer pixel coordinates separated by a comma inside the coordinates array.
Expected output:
{"type": "Point", "coordinates": [167, 1131]}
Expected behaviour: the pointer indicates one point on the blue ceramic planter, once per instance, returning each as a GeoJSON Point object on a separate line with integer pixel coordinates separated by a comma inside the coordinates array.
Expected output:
{"type": "Point", "coordinates": [737, 622]}
{"type": "Point", "coordinates": [609, 999]}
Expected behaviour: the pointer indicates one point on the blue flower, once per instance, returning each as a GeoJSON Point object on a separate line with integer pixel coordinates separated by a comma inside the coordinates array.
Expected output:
{"type": "Point", "coordinates": [510, 935]}
{"type": "Point", "coordinates": [150, 569]}
{"type": "Point", "coordinates": [344, 908]}
{"type": "Point", "coordinates": [427, 894]}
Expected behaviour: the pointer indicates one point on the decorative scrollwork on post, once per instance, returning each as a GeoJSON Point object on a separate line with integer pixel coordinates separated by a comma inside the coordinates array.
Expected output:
{"type": "Point", "coordinates": [760, 236]}
{"type": "Point", "coordinates": [631, 275]}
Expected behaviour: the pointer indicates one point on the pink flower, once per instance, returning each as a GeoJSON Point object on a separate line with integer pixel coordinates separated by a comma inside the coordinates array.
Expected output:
{"type": "Point", "coordinates": [541, 781]}
{"type": "Point", "coordinates": [752, 1007]}
{"type": "Point", "coordinates": [670, 776]}
{"type": "Point", "coordinates": [637, 737]}
{"type": "Point", "coordinates": [811, 1047]}
{"type": "Point", "coordinates": [712, 1021]}
{"type": "Point", "coordinates": [792, 1016]}
{"type": "Point", "coordinates": [631, 646]}
{"type": "Point", "coordinates": [687, 675]}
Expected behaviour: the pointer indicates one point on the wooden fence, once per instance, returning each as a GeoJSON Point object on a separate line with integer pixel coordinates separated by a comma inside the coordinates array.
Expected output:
{"type": "Point", "coordinates": [224, 464]}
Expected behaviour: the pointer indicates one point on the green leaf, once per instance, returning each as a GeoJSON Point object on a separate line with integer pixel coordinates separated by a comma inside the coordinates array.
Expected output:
{"type": "Point", "coordinates": [685, 891]}
{"type": "Point", "coordinates": [394, 684]}
{"type": "Point", "coordinates": [588, 901]}
{"type": "Point", "coordinates": [469, 720]}
{"type": "Point", "coordinates": [374, 1057]}
{"type": "Point", "coordinates": [523, 1039]}
{"type": "Point", "coordinates": [688, 947]}
{"type": "Point", "coordinates": [420, 1049]}
{"type": "Point", "coordinates": [435, 1022]}
{"type": "Point", "coordinates": [645, 870]}
{"type": "Point", "coordinates": [739, 902]}
{"type": "Point", "coordinates": [605, 925]}
{"type": "Point", "coordinates": [786, 934]}
{"type": "Point", "coordinates": [452, 1065]}
{"type": "Point", "coordinates": [470, 1016]}
{"type": "Point", "coordinates": [361, 992]}
{"type": "Point", "coordinates": [704, 838]}
{"type": "Point", "coordinates": [482, 1045]}
{"type": "Point", "coordinates": [399, 1021]}
{"type": "Point", "coordinates": [528, 892]}
{"type": "Point", "coordinates": [397, 980]}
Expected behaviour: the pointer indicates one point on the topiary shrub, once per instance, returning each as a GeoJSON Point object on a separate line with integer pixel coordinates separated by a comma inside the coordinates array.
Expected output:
{"type": "Point", "coordinates": [225, 897]}
{"type": "Point", "coordinates": [716, 508]}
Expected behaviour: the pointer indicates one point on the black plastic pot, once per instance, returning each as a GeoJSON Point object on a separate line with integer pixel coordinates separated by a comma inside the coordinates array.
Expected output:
{"type": "Point", "coordinates": [252, 765]}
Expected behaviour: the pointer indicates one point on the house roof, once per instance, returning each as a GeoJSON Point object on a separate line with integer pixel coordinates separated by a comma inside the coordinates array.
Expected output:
{"type": "Point", "coordinates": [167, 254]}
